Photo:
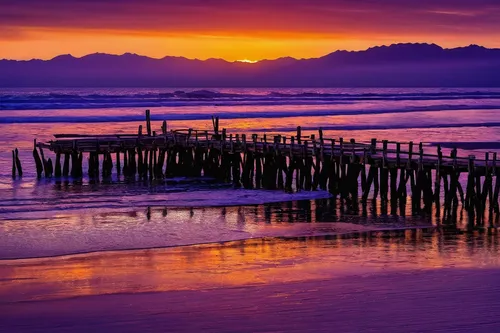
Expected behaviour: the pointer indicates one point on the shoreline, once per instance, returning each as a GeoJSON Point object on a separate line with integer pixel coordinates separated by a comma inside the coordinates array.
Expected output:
{"type": "Point", "coordinates": [228, 243]}
{"type": "Point", "coordinates": [255, 261]}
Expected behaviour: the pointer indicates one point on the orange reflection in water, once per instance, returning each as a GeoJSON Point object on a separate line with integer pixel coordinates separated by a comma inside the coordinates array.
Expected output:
{"type": "Point", "coordinates": [251, 262]}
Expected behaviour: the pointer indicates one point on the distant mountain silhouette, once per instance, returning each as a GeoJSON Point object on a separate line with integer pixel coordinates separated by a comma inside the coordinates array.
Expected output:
{"type": "Point", "coordinates": [398, 65]}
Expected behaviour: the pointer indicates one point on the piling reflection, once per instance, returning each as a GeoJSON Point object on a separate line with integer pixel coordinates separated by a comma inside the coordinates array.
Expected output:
{"type": "Point", "coordinates": [250, 262]}
{"type": "Point", "coordinates": [100, 228]}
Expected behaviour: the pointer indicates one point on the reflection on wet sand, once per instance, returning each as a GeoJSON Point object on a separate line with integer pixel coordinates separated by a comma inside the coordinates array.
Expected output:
{"type": "Point", "coordinates": [242, 263]}
{"type": "Point", "coordinates": [72, 231]}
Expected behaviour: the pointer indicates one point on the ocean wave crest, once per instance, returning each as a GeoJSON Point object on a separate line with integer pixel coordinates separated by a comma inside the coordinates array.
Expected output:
{"type": "Point", "coordinates": [203, 97]}
{"type": "Point", "coordinates": [172, 116]}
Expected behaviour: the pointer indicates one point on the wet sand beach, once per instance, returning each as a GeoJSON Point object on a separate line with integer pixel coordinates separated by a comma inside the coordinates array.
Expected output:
{"type": "Point", "coordinates": [412, 281]}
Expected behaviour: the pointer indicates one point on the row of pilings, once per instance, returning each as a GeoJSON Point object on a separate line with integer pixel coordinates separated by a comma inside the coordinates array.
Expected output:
{"type": "Point", "coordinates": [348, 177]}
{"type": "Point", "coordinates": [348, 170]}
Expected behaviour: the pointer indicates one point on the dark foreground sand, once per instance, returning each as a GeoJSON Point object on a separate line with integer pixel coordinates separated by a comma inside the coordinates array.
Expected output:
{"type": "Point", "coordinates": [413, 283]}
{"type": "Point", "coordinates": [451, 300]}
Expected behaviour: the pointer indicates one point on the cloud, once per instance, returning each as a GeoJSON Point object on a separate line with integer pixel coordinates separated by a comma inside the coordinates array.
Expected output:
{"type": "Point", "coordinates": [249, 17]}
{"type": "Point", "coordinates": [238, 29]}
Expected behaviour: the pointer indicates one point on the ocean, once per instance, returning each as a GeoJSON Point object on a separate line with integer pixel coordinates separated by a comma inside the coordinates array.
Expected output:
{"type": "Point", "coordinates": [55, 217]}
{"type": "Point", "coordinates": [193, 254]}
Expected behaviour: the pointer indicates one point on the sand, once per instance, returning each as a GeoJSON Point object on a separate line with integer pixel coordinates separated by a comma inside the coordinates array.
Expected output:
{"type": "Point", "coordinates": [452, 300]}
{"type": "Point", "coordinates": [409, 282]}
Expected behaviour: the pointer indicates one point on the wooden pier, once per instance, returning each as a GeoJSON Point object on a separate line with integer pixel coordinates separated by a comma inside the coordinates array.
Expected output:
{"type": "Point", "coordinates": [346, 168]}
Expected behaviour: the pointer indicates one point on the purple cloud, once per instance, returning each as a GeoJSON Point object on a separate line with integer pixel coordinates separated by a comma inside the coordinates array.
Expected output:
{"type": "Point", "coordinates": [293, 15]}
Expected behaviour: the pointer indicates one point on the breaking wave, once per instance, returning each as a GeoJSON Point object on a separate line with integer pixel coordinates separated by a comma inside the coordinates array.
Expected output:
{"type": "Point", "coordinates": [228, 115]}
{"type": "Point", "coordinates": [83, 99]}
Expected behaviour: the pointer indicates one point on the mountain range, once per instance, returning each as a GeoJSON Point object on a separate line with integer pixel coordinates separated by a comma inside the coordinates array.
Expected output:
{"type": "Point", "coordinates": [397, 65]}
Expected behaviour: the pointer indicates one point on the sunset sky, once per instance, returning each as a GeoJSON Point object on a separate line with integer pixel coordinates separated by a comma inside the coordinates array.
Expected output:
{"type": "Point", "coordinates": [234, 30]}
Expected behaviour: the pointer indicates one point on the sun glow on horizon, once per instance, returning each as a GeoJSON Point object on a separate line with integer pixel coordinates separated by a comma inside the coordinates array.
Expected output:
{"type": "Point", "coordinates": [247, 61]}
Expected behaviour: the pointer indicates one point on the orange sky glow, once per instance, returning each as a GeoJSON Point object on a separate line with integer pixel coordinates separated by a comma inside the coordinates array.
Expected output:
{"type": "Point", "coordinates": [251, 30]}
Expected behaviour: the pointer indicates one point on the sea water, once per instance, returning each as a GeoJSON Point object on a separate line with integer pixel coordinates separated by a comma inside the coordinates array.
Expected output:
{"type": "Point", "coordinates": [54, 217]}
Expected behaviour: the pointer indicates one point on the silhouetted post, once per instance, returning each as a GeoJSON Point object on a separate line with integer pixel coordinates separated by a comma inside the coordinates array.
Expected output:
{"type": "Point", "coordinates": [215, 123]}
{"type": "Point", "coordinates": [332, 175]}
{"type": "Point", "coordinates": [410, 153]}
{"type": "Point", "coordinates": [341, 172]}
{"type": "Point", "coordinates": [488, 188]}
{"type": "Point", "coordinates": [38, 161]}
{"type": "Point", "coordinates": [398, 154]}
{"type": "Point", "coordinates": [91, 167]}
{"type": "Point", "coordinates": [118, 163]}
{"type": "Point", "coordinates": [125, 163]}
{"type": "Point", "coordinates": [451, 197]}
{"type": "Point", "coordinates": [373, 146]}
{"type": "Point", "coordinates": [497, 185]}
{"type": "Point", "coordinates": [368, 182]}
{"type": "Point", "coordinates": [258, 165]}
{"type": "Point", "coordinates": [470, 184]}
{"type": "Point", "coordinates": [394, 189]}
{"type": "Point", "coordinates": [13, 165]}
{"type": "Point", "coordinates": [384, 173]}
{"type": "Point", "coordinates": [353, 151]}
{"type": "Point", "coordinates": [164, 127]}
{"type": "Point", "coordinates": [494, 165]}
{"type": "Point", "coordinates": [140, 162]}
{"type": "Point", "coordinates": [478, 199]}
{"type": "Point", "coordinates": [57, 172]}
{"type": "Point", "coordinates": [44, 161]}
{"type": "Point", "coordinates": [384, 153]}
{"type": "Point", "coordinates": [148, 122]}
{"type": "Point", "coordinates": [155, 163]}
{"type": "Point", "coordinates": [132, 163]}
{"type": "Point", "coordinates": [18, 164]}
{"type": "Point", "coordinates": [437, 183]}
{"type": "Point", "coordinates": [402, 184]}
{"type": "Point", "coordinates": [150, 169]}
{"type": "Point", "coordinates": [49, 168]}
{"type": "Point", "coordinates": [307, 168]}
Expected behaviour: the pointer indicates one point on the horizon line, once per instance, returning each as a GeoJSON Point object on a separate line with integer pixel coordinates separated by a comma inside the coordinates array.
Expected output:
{"type": "Point", "coordinates": [247, 61]}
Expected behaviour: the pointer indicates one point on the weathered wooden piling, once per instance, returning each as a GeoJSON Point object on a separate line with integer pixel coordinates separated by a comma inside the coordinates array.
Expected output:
{"type": "Point", "coordinates": [66, 164]}
{"type": "Point", "coordinates": [58, 171]}
{"type": "Point", "coordinates": [215, 124]}
{"type": "Point", "coordinates": [164, 127]}
{"type": "Point", "coordinates": [13, 165]}
{"type": "Point", "coordinates": [148, 122]}
{"type": "Point", "coordinates": [497, 185]}
{"type": "Point", "coordinates": [118, 163]}
{"type": "Point", "coordinates": [38, 161]}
